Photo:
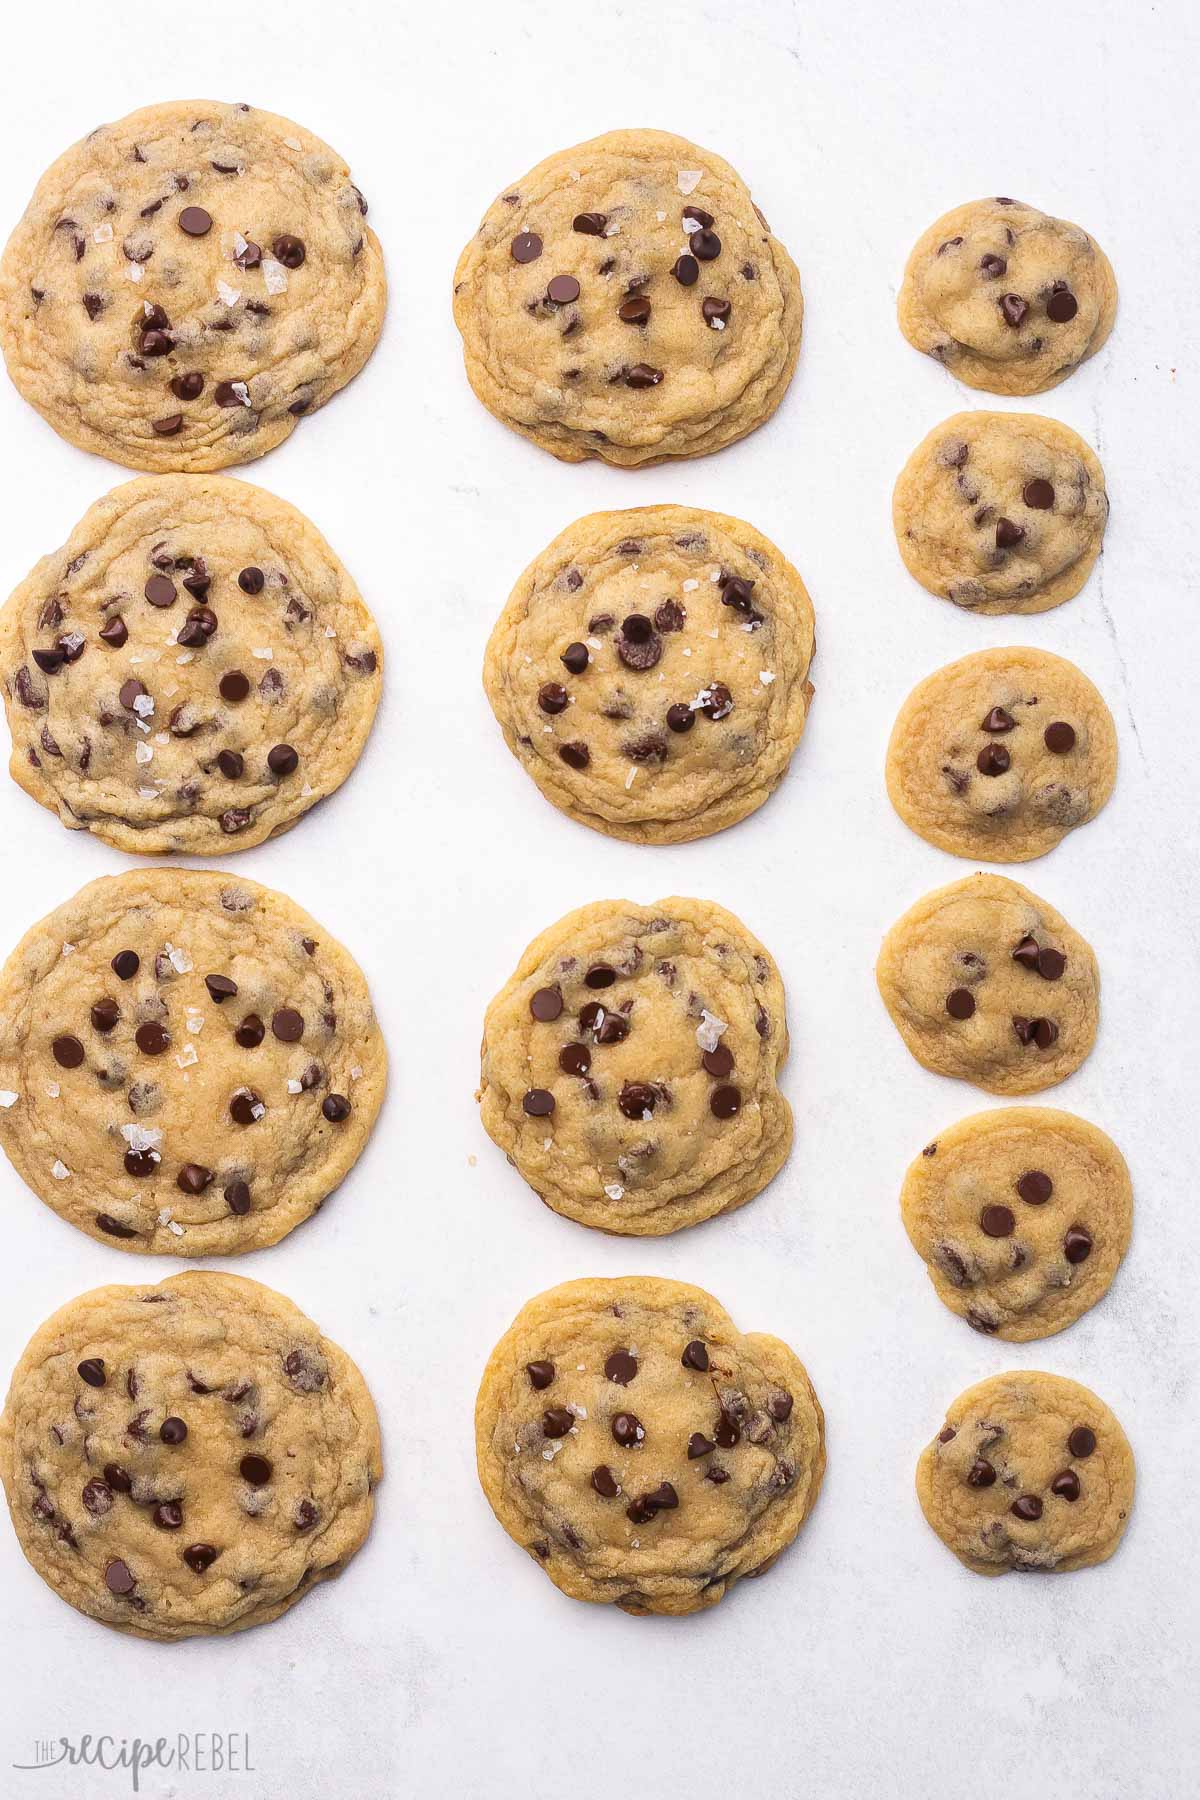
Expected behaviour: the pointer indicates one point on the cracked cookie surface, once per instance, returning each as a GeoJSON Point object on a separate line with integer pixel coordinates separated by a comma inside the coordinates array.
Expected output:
{"type": "Point", "coordinates": [187, 284]}
{"type": "Point", "coordinates": [986, 982]}
{"type": "Point", "coordinates": [1008, 298]}
{"type": "Point", "coordinates": [641, 1449]}
{"type": "Point", "coordinates": [998, 756]}
{"type": "Point", "coordinates": [193, 670]}
{"type": "Point", "coordinates": [650, 671]}
{"type": "Point", "coordinates": [627, 300]}
{"type": "Point", "coordinates": [1030, 1471]}
{"type": "Point", "coordinates": [188, 1063]}
{"type": "Point", "coordinates": [1001, 512]}
{"type": "Point", "coordinates": [629, 1066]}
{"type": "Point", "coordinates": [1022, 1216]}
{"type": "Point", "coordinates": [187, 1458]}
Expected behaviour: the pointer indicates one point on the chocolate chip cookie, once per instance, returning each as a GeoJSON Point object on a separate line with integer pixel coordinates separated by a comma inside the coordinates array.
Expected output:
{"type": "Point", "coordinates": [1001, 512]}
{"type": "Point", "coordinates": [188, 1063]}
{"type": "Point", "coordinates": [998, 756]}
{"type": "Point", "coordinates": [642, 1450]}
{"type": "Point", "coordinates": [628, 300]}
{"type": "Point", "coordinates": [1022, 1216]}
{"type": "Point", "coordinates": [187, 284]}
{"type": "Point", "coordinates": [1008, 298]}
{"type": "Point", "coordinates": [192, 670]}
{"type": "Point", "coordinates": [650, 670]}
{"type": "Point", "coordinates": [1030, 1471]}
{"type": "Point", "coordinates": [189, 1458]}
{"type": "Point", "coordinates": [988, 983]}
{"type": "Point", "coordinates": [630, 1066]}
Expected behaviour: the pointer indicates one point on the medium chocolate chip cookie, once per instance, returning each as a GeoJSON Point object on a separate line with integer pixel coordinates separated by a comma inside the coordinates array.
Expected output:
{"type": "Point", "coordinates": [189, 1458]}
{"type": "Point", "coordinates": [651, 671]}
{"type": "Point", "coordinates": [187, 283]}
{"type": "Point", "coordinates": [1030, 1471]}
{"type": "Point", "coordinates": [627, 300]}
{"type": "Point", "coordinates": [1001, 512]}
{"type": "Point", "coordinates": [642, 1450]}
{"type": "Point", "coordinates": [630, 1066]}
{"type": "Point", "coordinates": [1022, 1215]}
{"type": "Point", "coordinates": [1008, 298]}
{"type": "Point", "coordinates": [188, 1063]}
{"type": "Point", "coordinates": [192, 670]}
{"type": "Point", "coordinates": [998, 756]}
{"type": "Point", "coordinates": [988, 983]}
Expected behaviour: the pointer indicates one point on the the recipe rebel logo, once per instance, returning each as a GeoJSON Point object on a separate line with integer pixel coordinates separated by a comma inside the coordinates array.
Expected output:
{"type": "Point", "coordinates": [187, 1753]}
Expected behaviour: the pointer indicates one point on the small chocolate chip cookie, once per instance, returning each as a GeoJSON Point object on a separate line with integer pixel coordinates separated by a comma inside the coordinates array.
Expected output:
{"type": "Point", "coordinates": [988, 983]}
{"type": "Point", "coordinates": [187, 284]}
{"type": "Point", "coordinates": [1022, 1216]}
{"type": "Point", "coordinates": [1001, 512]}
{"type": "Point", "coordinates": [630, 1066]}
{"type": "Point", "coordinates": [187, 1459]}
{"type": "Point", "coordinates": [650, 670]}
{"type": "Point", "coordinates": [998, 756]}
{"type": "Point", "coordinates": [642, 1450]}
{"type": "Point", "coordinates": [188, 1063]}
{"type": "Point", "coordinates": [1030, 1471]}
{"type": "Point", "coordinates": [192, 670]}
{"type": "Point", "coordinates": [1008, 298]}
{"type": "Point", "coordinates": [627, 300]}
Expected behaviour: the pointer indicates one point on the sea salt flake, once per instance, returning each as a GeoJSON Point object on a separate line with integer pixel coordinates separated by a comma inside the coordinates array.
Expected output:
{"type": "Point", "coordinates": [274, 276]}
{"type": "Point", "coordinates": [162, 739]}
{"type": "Point", "coordinates": [263, 655]}
{"type": "Point", "coordinates": [229, 296]}
{"type": "Point", "coordinates": [53, 1089]}
{"type": "Point", "coordinates": [68, 950]}
{"type": "Point", "coordinates": [688, 180]}
{"type": "Point", "coordinates": [766, 676]}
{"type": "Point", "coordinates": [295, 1087]}
{"type": "Point", "coordinates": [356, 1073]}
{"type": "Point", "coordinates": [257, 1110]}
{"type": "Point", "coordinates": [8, 1098]}
{"type": "Point", "coordinates": [143, 706]}
{"type": "Point", "coordinates": [690, 585]}
{"type": "Point", "coordinates": [180, 961]}
{"type": "Point", "coordinates": [709, 1030]}
{"type": "Point", "coordinates": [717, 324]}
{"type": "Point", "coordinates": [577, 1412]}
{"type": "Point", "coordinates": [615, 1191]}
{"type": "Point", "coordinates": [187, 657]}
{"type": "Point", "coordinates": [148, 793]}
{"type": "Point", "coordinates": [631, 777]}
{"type": "Point", "coordinates": [241, 390]}
{"type": "Point", "coordinates": [195, 1021]}
{"type": "Point", "coordinates": [142, 1137]}
{"type": "Point", "coordinates": [552, 1449]}
{"type": "Point", "coordinates": [103, 234]}
{"type": "Point", "coordinates": [660, 216]}
{"type": "Point", "coordinates": [142, 753]}
{"type": "Point", "coordinates": [175, 1227]}
{"type": "Point", "coordinates": [690, 225]}
{"type": "Point", "coordinates": [134, 271]}
{"type": "Point", "coordinates": [60, 1171]}
{"type": "Point", "coordinates": [188, 1057]}
{"type": "Point", "coordinates": [293, 143]}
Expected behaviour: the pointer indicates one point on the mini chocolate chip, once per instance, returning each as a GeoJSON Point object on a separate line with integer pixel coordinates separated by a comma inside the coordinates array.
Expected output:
{"type": "Point", "coordinates": [1081, 1442]}
{"type": "Point", "coordinates": [605, 1482]}
{"type": "Point", "coordinates": [1038, 494]}
{"type": "Point", "coordinates": [546, 1004]}
{"type": "Point", "coordinates": [195, 221]}
{"type": "Point", "coordinates": [627, 1430]}
{"type": "Point", "coordinates": [993, 759]}
{"type": "Point", "coordinates": [1066, 1485]}
{"type": "Point", "coordinates": [1059, 738]}
{"type": "Point", "coordinates": [590, 223]}
{"type": "Point", "coordinates": [1008, 534]}
{"type": "Point", "coordinates": [1077, 1244]}
{"type": "Point", "coordinates": [1013, 309]}
{"type": "Point", "coordinates": [1062, 306]}
{"type": "Point", "coordinates": [680, 717]}
{"type": "Point", "coordinates": [117, 1479]}
{"type": "Point", "coordinates": [305, 1516]}
{"type": "Point", "coordinates": [526, 247]}
{"type": "Point", "coordinates": [151, 1038]}
{"type": "Point", "coordinates": [91, 1370]}
{"type": "Point", "coordinates": [670, 616]}
{"type": "Point", "coordinates": [1042, 1032]}
{"type": "Point", "coordinates": [172, 1430]}
{"type": "Point", "coordinates": [540, 1374]}
{"type": "Point", "coordinates": [575, 658]}
{"type": "Point", "coordinates": [251, 580]}
{"type": "Point", "coordinates": [637, 1099]}
{"type": "Point", "coordinates": [199, 1557]}
{"type": "Point", "coordinates": [256, 1470]}
{"type": "Point", "coordinates": [114, 1227]}
{"type": "Point", "coordinates": [289, 251]}
{"type": "Point", "coordinates": [336, 1108]}
{"type": "Point", "coordinates": [981, 1474]}
{"type": "Point", "coordinates": [686, 271]}
{"type": "Point", "coordinates": [557, 1421]}
{"type": "Point", "coordinates": [695, 1356]}
{"type": "Point", "coordinates": [231, 764]}
{"type": "Point", "coordinates": [621, 1367]}
{"type": "Point", "coordinates": [553, 698]}
{"type": "Point", "coordinates": [960, 1003]}
{"type": "Point", "coordinates": [250, 257]}
{"type": "Point", "coordinates": [97, 1498]}
{"type": "Point", "coordinates": [1027, 1507]}
{"type": "Point", "coordinates": [719, 703]}
{"type": "Point", "coordinates": [575, 755]}
{"type": "Point", "coordinates": [237, 1198]}
{"type": "Point", "coordinates": [141, 1163]}
{"type": "Point", "coordinates": [998, 721]}
{"type": "Point", "coordinates": [725, 1102]}
{"type": "Point", "coordinates": [997, 1221]}
{"type": "Point", "coordinates": [575, 1059]}
{"type": "Point", "coordinates": [68, 1052]}
{"type": "Point", "coordinates": [538, 1103]}
{"type": "Point", "coordinates": [562, 289]}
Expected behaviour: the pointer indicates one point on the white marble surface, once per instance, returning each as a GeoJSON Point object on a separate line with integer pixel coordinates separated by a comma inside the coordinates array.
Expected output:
{"type": "Point", "coordinates": [869, 1663]}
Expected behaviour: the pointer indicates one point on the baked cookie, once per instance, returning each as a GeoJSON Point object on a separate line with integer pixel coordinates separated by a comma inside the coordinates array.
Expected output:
{"type": "Point", "coordinates": [996, 757]}
{"type": "Point", "coordinates": [187, 283]}
{"type": "Point", "coordinates": [988, 983]}
{"type": "Point", "coordinates": [1010, 299]}
{"type": "Point", "coordinates": [627, 300]}
{"type": "Point", "coordinates": [1022, 1216]}
{"type": "Point", "coordinates": [188, 1458]}
{"type": "Point", "coordinates": [651, 671]}
{"type": "Point", "coordinates": [629, 1066]}
{"type": "Point", "coordinates": [188, 1063]}
{"type": "Point", "coordinates": [192, 670]}
{"type": "Point", "coordinates": [1001, 512]}
{"type": "Point", "coordinates": [641, 1449]}
{"type": "Point", "coordinates": [1030, 1471]}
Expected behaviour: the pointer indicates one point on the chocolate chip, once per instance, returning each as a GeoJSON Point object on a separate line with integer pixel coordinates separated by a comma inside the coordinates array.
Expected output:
{"type": "Point", "coordinates": [237, 1198]}
{"type": "Point", "coordinates": [141, 1163]}
{"type": "Point", "coordinates": [575, 755]}
{"type": "Point", "coordinates": [575, 658]}
{"type": "Point", "coordinates": [49, 661]}
{"type": "Point", "coordinates": [226, 393]}
{"type": "Point", "coordinates": [68, 1052]}
{"type": "Point", "coordinates": [1081, 1442]}
{"type": "Point", "coordinates": [605, 1482]}
{"type": "Point", "coordinates": [540, 1374]}
{"type": "Point", "coordinates": [118, 1578]}
{"type": "Point", "coordinates": [256, 1470]}
{"type": "Point", "coordinates": [234, 686]}
{"type": "Point", "coordinates": [91, 1370]}
{"type": "Point", "coordinates": [947, 1434]}
{"type": "Point", "coordinates": [686, 271]}
{"type": "Point", "coordinates": [199, 1557]}
{"type": "Point", "coordinates": [553, 698]}
{"type": "Point", "coordinates": [193, 1178]}
{"type": "Point", "coordinates": [725, 1102]}
{"type": "Point", "coordinates": [336, 1108]}
{"type": "Point", "coordinates": [998, 720]}
{"type": "Point", "coordinates": [635, 310]}
{"type": "Point", "coordinates": [728, 1432]}
{"type": "Point", "coordinates": [232, 765]}
{"type": "Point", "coordinates": [575, 1059]}
{"type": "Point", "coordinates": [168, 1515]}
{"type": "Point", "coordinates": [698, 214]}
{"type": "Point", "coordinates": [1008, 534]}
{"type": "Point", "coordinates": [695, 1356]}
{"type": "Point", "coordinates": [289, 251]}
{"type": "Point", "coordinates": [557, 1421]}
{"type": "Point", "coordinates": [997, 1221]}
{"type": "Point", "coordinates": [705, 244]}
{"type": "Point", "coordinates": [562, 289]}
{"type": "Point", "coordinates": [1077, 1244]}
{"type": "Point", "coordinates": [125, 964]}
{"type": "Point", "coordinates": [590, 223]}
{"type": "Point", "coordinates": [1050, 964]}
{"type": "Point", "coordinates": [97, 1498]}
{"type": "Point", "coordinates": [117, 1479]}
{"type": "Point", "coordinates": [220, 988]}
{"type": "Point", "coordinates": [114, 1227]}
{"type": "Point", "coordinates": [718, 1062]}
{"type": "Point", "coordinates": [246, 1107]}
{"type": "Point", "coordinates": [993, 267]}
{"type": "Point", "coordinates": [1062, 306]}
{"type": "Point", "coordinates": [1027, 1507]}
{"type": "Point", "coordinates": [960, 1003]}
{"type": "Point", "coordinates": [546, 1004]}
{"type": "Point", "coordinates": [717, 1476]}
{"type": "Point", "coordinates": [251, 580]}
{"type": "Point", "coordinates": [1042, 1032]}
{"type": "Point", "coordinates": [1059, 738]}
{"type": "Point", "coordinates": [670, 616]}
{"type": "Point", "coordinates": [627, 1430]}
{"type": "Point", "coordinates": [251, 1032]}
{"type": "Point", "coordinates": [1035, 1188]}
{"type": "Point", "coordinates": [637, 1099]}
{"type": "Point", "coordinates": [680, 717]}
{"type": "Point", "coordinates": [715, 312]}
{"type": "Point", "coordinates": [642, 376]}
{"type": "Point", "coordinates": [780, 1405]}
{"type": "Point", "coordinates": [114, 632]}
{"type": "Point", "coordinates": [1013, 309]}
{"type": "Point", "coordinates": [981, 1474]}
{"type": "Point", "coordinates": [187, 387]}
{"type": "Point", "coordinates": [1066, 1485]}
{"type": "Point", "coordinates": [172, 1430]}
{"type": "Point", "coordinates": [305, 1515]}
{"type": "Point", "coordinates": [195, 221]}
{"type": "Point", "coordinates": [538, 1103]}
{"type": "Point", "coordinates": [621, 1367]}
{"type": "Point", "coordinates": [526, 247]}
{"type": "Point", "coordinates": [993, 759]}
{"type": "Point", "coordinates": [1038, 494]}
{"type": "Point", "coordinates": [600, 975]}
{"type": "Point", "coordinates": [170, 426]}
{"type": "Point", "coordinates": [288, 1025]}
{"type": "Point", "coordinates": [718, 703]}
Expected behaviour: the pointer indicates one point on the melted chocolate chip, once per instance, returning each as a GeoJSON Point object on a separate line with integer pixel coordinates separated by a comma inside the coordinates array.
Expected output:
{"type": "Point", "coordinates": [605, 1482]}
{"type": "Point", "coordinates": [981, 1474]}
{"type": "Point", "coordinates": [695, 1356]}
